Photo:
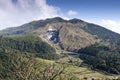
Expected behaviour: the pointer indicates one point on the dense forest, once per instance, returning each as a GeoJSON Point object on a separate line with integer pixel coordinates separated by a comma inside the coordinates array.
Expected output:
{"type": "Point", "coordinates": [102, 57]}
{"type": "Point", "coordinates": [30, 44]}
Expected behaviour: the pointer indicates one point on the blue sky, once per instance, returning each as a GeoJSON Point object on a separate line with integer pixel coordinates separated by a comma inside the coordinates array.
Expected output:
{"type": "Point", "coordinates": [90, 8]}
{"type": "Point", "coordinates": [102, 12]}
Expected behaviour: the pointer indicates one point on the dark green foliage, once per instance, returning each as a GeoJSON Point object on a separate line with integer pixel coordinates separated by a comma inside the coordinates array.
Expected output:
{"type": "Point", "coordinates": [75, 21]}
{"type": "Point", "coordinates": [31, 44]}
{"type": "Point", "coordinates": [101, 57]}
{"type": "Point", "coordinates": [10, 61]}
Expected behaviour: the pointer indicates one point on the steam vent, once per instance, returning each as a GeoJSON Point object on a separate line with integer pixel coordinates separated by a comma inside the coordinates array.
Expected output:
{"type": "Point", "coordinates": [51, 34]}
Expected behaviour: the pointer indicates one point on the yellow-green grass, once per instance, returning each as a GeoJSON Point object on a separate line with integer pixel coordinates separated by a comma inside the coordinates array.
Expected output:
{"type": "Point", "coordinates": [46, 61]}
{"type": "Point", "coordinates": [79, 72]}
{"type": "Point", "coordinates": [76, 69]}
{"type": "Point", "coordinates": [82, 72]}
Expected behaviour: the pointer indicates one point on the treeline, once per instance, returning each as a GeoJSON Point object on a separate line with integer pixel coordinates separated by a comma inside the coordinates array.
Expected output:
{"type": "Point", "coordinates": [102, 58]}
{"type": "Point", "coordinates": [31, 44]}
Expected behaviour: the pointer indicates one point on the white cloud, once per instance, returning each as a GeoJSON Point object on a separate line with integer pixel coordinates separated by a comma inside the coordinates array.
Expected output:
{"type": "Point", "coordinates": [72, 13]}
{"type": "Point", "coordinates": [14, 14]}
{"type": "Point", "coordinates": [111, 24]}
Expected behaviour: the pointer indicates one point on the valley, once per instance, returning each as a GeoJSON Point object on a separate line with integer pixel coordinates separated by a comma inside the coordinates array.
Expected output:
{"type": "Point", "coordinates": [81, 72]}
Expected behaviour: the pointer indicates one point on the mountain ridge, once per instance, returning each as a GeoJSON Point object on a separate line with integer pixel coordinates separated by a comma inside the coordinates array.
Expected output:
{"type": "Point", "coordinates": [48, 20]}
{"type": "Point", "coordinates": [73, 34]}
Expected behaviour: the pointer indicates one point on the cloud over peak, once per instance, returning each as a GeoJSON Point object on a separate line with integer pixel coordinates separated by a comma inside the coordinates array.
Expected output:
{"type": "Point", "coordinates": [72, 13]}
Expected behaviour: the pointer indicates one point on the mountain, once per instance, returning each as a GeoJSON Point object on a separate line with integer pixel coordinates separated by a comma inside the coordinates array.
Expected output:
{"type": "Point", "coordinates": [98, 47]}
{"type": "Point", "coordinates": [71, 34]}
{"type": "Point", "coordinates": [26, 28]}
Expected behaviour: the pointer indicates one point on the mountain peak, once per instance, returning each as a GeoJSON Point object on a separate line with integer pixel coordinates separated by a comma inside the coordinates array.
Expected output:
{"type": "Point", "coordinates": [75, 20]}
{"type": "Point", "coordinates": [56, 19]}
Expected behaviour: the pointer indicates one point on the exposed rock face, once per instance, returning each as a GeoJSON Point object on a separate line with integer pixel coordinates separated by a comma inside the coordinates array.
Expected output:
{"type": "Point", "coordinates": [51, 35]}
{"type": "Point", "coordinates": [68, 36]}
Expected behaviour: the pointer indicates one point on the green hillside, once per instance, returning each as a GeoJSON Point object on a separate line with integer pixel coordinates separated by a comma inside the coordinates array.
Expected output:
{"type": "Point", "coordinates": [101, 57]}
{"type": "Point", "coordinates": [102, 33]}
{"type": "Point", "coordinates": [30, 44]}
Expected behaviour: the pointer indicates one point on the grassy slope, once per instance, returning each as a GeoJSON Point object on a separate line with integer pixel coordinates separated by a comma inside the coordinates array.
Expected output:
{"type": "Point", "coordinates": [79, 72]}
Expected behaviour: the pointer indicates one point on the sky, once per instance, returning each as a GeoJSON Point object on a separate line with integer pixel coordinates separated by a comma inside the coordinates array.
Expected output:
{"type": "Point", "coordinates": [102, 12]}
